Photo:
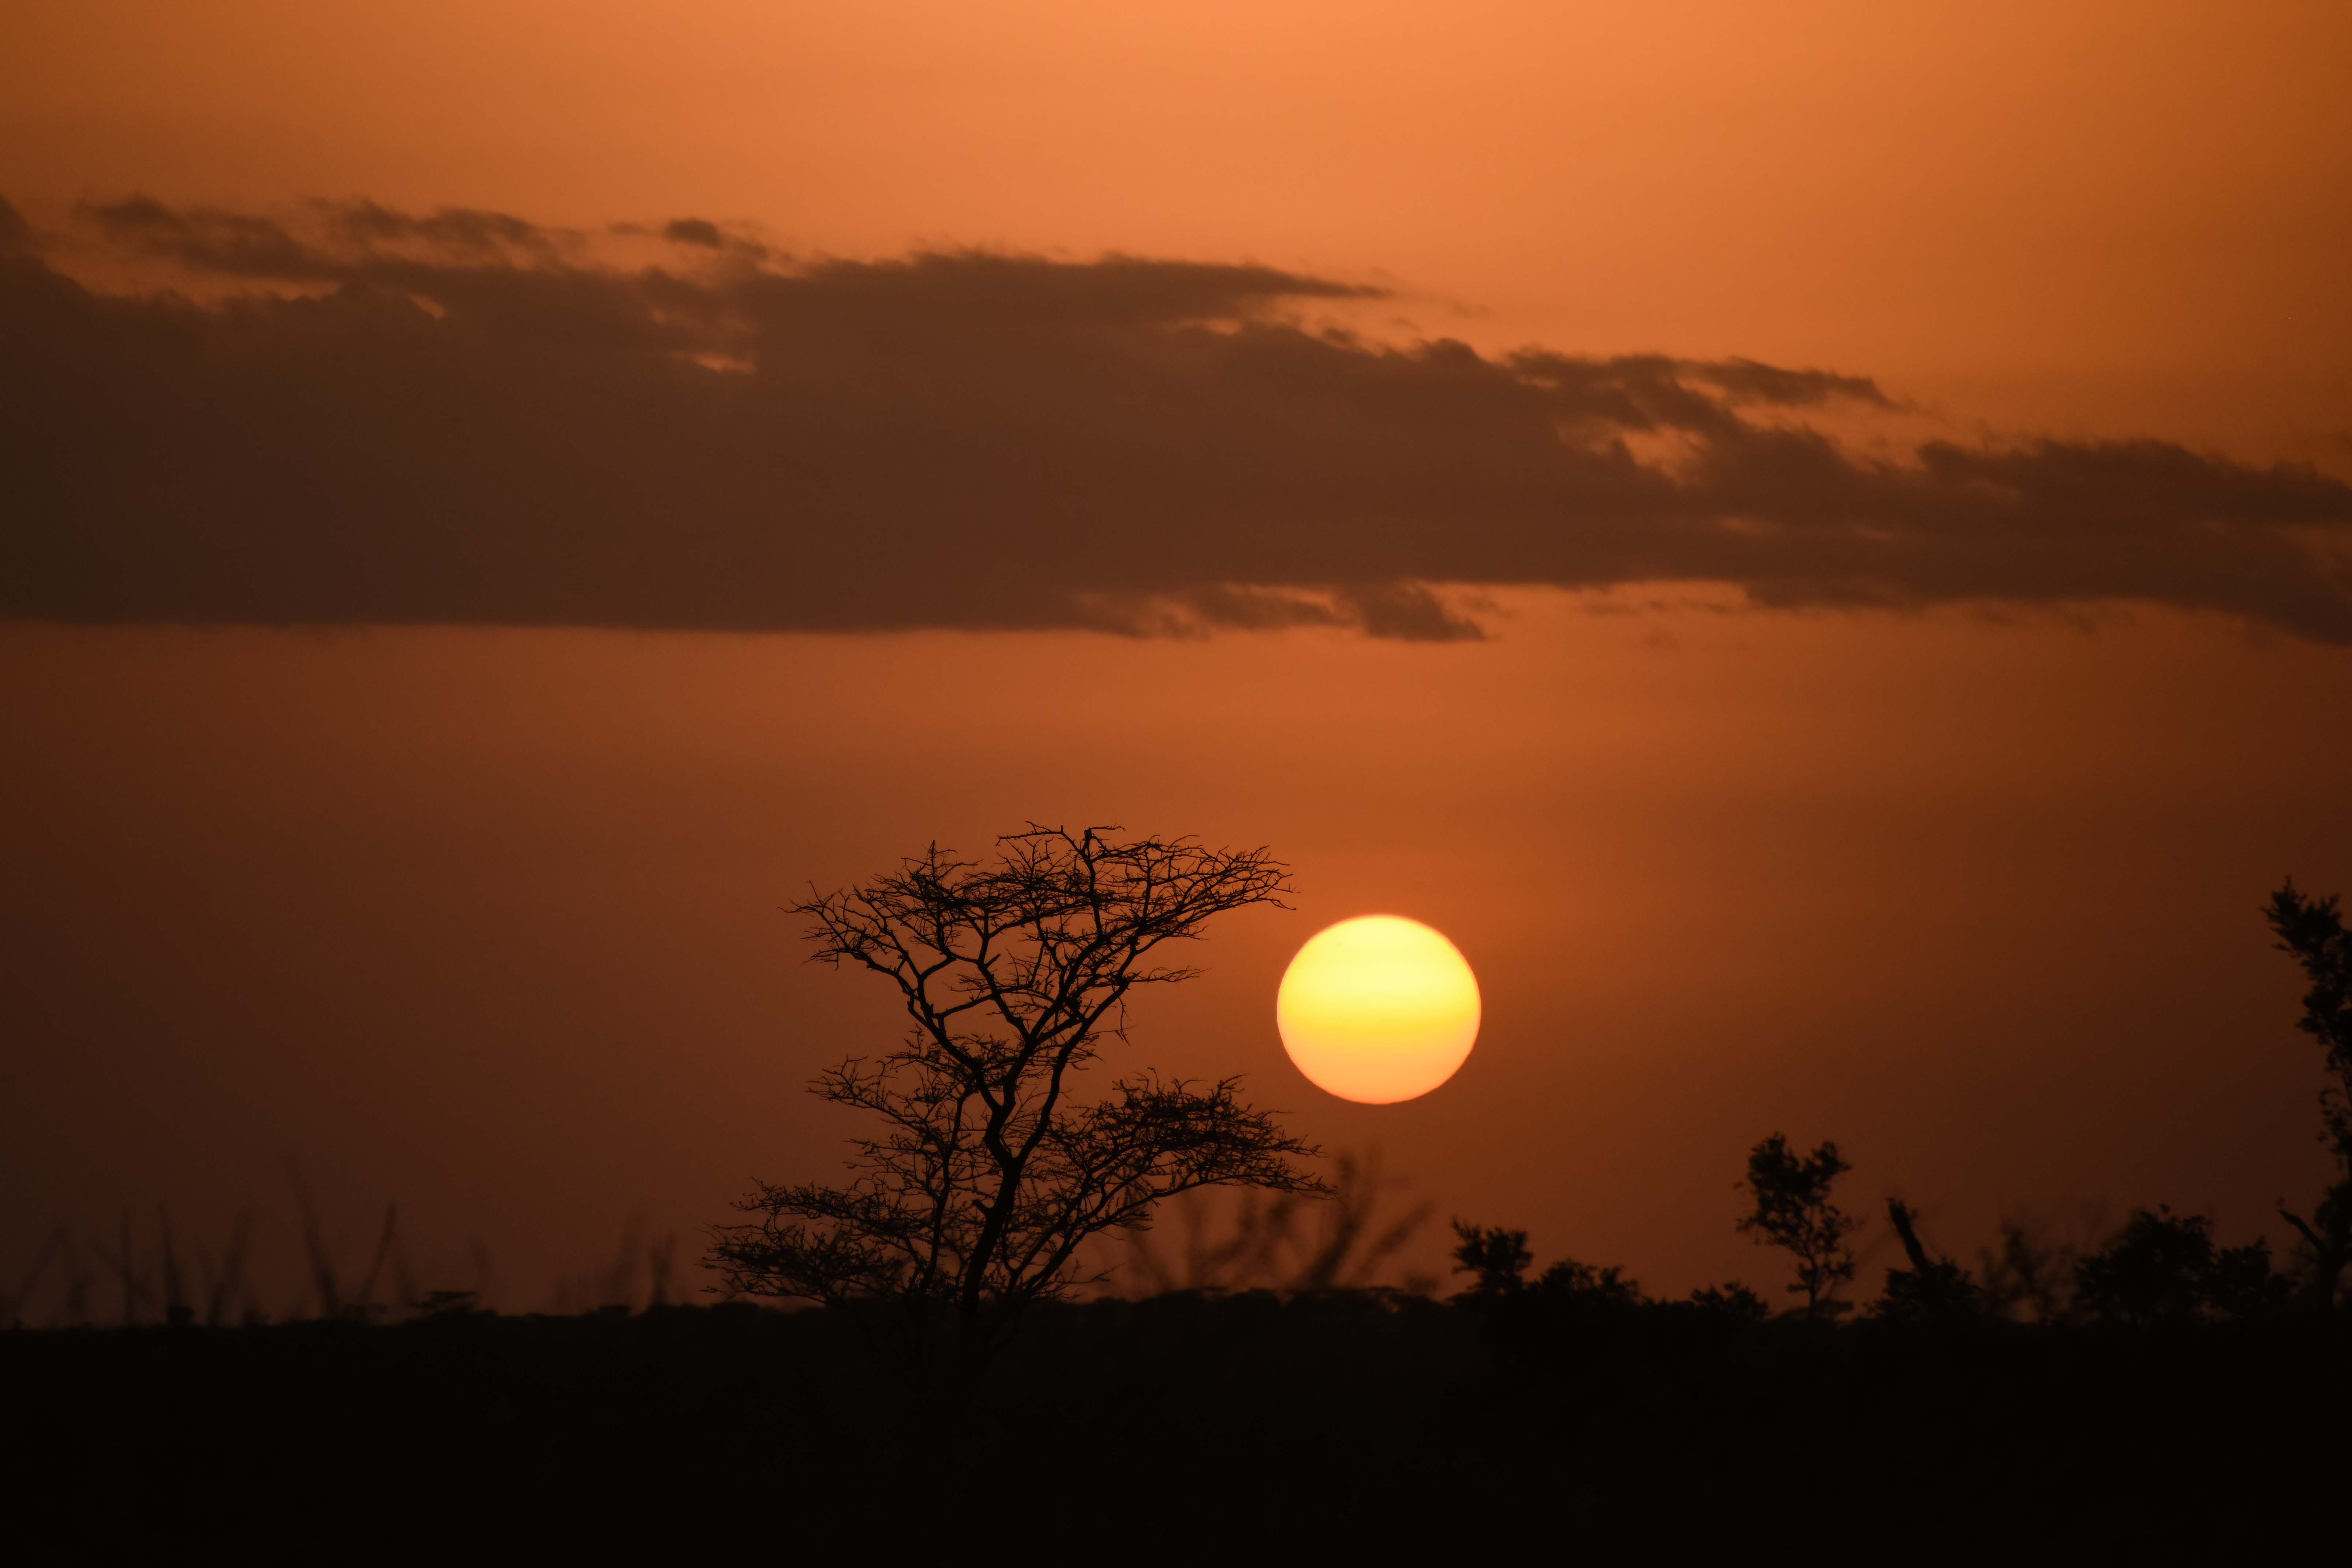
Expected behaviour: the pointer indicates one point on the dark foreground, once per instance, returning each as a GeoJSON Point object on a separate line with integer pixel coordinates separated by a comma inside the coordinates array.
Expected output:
{"type": "Point", "coordinates": [1187, 1425]}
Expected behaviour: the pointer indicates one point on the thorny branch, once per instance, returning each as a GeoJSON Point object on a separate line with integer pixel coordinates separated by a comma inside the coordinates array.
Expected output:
{"type": "Point", "coordinates": [984, 1180]}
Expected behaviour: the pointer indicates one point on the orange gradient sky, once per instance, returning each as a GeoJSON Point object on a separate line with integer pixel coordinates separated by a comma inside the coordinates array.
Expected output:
{"type": "Point", "coordinates": [488, 921]}
{"type": "Point", "coordinates": [483, 919]}
{"type": "Point", "coordinates": [2117, 216]}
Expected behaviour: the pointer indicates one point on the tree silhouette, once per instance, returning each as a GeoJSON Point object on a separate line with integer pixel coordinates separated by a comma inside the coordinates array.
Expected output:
{"type": "Point", "coordinates": [989, 1175]}
{"type": "Point", "coordinates": [1496, 1260]}
{"type": "Point", "coordinates": [2164, 1268]}
{"type": "Point", "coordinates": [1792, 1210]}
{"type": "Point", "coordinates": [2313, 931]}
{"type": "Point", "coordinates": [1933, 1289]}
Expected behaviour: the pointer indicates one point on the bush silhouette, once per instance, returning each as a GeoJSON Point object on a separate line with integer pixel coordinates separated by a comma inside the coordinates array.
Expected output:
{"type": "Point", "coordinates": [1933, 1289]}
{"type": "Point", "coordinates": [1496, 1260]}
{"type": "Point", "coordinates": [2164, 1268]}
{"type": "Point", "coordinates": [1584, 1284]}
{"type": "Point", "coordinates": [1732, 1300]}
{"type": "Point", "coordinates": [2028, 1271]}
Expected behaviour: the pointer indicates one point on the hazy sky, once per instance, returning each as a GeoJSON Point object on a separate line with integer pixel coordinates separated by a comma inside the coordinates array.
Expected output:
{"type": "Point", "coordinates": [1812, 540]}
{"type": "Point", "coordinates": [2115, 215]}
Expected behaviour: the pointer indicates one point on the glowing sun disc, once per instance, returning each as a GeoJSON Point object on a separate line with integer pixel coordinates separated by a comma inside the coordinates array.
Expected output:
{"type": "Point", "coordinates": [1378, 1009]}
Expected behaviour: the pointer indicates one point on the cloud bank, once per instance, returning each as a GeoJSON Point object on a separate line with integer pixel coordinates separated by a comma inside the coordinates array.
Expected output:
{"type": "Point", "coordinates": [378, 416]}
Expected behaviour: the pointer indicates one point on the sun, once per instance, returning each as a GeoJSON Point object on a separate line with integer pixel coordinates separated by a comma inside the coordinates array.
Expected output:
{"type": "Point", "coordinates": [1378, 1009]}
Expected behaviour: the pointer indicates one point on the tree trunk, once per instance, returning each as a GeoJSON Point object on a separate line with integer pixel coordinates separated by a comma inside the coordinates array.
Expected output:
{"type": "Point", "coordinates": [1900, 1212]}
{"type": "Point", "coordinates": [2330, 1243]}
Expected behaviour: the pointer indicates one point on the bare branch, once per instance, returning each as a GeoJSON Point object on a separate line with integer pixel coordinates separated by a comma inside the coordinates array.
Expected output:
{"type": "Point", "coordinates": [984, 1179]}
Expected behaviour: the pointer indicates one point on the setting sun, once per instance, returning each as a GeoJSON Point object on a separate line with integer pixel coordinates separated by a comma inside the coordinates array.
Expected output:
{"type": "Point", "coordinates": [1378, 1009]}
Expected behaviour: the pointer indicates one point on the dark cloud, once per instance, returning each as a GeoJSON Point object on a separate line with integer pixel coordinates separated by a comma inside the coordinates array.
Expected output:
{"type": "Point", "coordinates": [462, 416]}
{"type": "Point", "coordinates": [694, 231]}
{"type": "Point", "coordinates": [340, 241]}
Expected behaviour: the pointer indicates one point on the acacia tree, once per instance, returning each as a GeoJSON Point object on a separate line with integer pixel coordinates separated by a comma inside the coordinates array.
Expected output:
{"type": "Point", "coordinates": [1792, 1210]}
{"type": "Point", "coordinates": [2312, 929]}
{"type": "Point", "coordinates": [989, 1173]}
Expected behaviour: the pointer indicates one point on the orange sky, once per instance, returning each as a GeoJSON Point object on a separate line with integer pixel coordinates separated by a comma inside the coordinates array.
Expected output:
{"type": "Point", "coordinates": [2117, 216]}
{"type": "Point", "coordinates": [483, 920]}
{"type": "Point", "coordinates": [487, 921]}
